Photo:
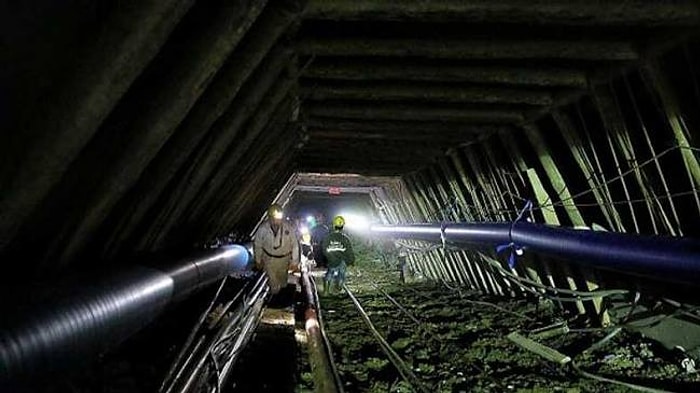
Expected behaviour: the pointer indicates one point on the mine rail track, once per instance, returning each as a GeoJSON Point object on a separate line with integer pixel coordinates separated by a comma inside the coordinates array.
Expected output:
{"type": "Point", "coordinates": [407, 321]}
{"type": "Point", "coordinates": [411, 325]}
{"type": "Point", "coordinates": [392, 321]}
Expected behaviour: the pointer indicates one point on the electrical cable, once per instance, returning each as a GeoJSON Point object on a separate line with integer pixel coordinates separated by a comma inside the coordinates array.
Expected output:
{"type": "Point", "coordinates": [397, 304]}
{"type": "Point", "coordinates": [580, 295]}
{"type": "Point", "coordinates": [553, 354]}
{"type": "Point", "coordinates": [192, 335]}
{"type": "Point", "coordinates": [594, 347]}
{"type": "Point", "coordinates": [526, 284]}
{"type": "Point", "coordinates": [631, 170]}
{"type": "Point", "coordinates": [599, 378]}
{"type": "Point", "coordinates": [404, 370]}
{"type": "Point", "coordinates": [627, 172]}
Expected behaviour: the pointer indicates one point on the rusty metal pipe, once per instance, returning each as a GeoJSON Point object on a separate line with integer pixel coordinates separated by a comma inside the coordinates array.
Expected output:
{"type": "Point", "coordinates": [325, 377]}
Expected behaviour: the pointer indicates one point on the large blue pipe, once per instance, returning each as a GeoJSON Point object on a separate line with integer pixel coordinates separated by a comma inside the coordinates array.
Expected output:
{"type": "Point", "coordinates": [51, 336]}
{"type": "Point", "coordinates": [667, 258]}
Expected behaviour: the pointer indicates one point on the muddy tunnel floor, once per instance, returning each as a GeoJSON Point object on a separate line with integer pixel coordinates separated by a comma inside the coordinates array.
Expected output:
{"type": "Point", "coordinates": [275, 360]}
{"type": "Point", "coordinates": [458, 343]}
{"type": "Point", "coordinates": [269, 362]}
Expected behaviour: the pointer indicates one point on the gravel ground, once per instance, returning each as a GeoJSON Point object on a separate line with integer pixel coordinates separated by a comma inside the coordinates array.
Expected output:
{"type": "Point", "coordinates": [459, 345]}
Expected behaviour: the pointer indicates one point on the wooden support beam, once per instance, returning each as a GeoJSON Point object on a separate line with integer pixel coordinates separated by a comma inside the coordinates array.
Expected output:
{"type": "Point", "coordinates": [219, 216]}
{"type": "Point", "coordinates": [423, 92]}
{"type": "Point", "coordinates": [228, 88]}
{"type": "Point", "coordinates": [574, 13]}
{"type": "Point", "coordinates": [338, 156]}
{"type": "Point", "coordinates": [126, 43]}
{"type": "Point", "coordinates": [367, 168]}
{"type": "Point", "coordinates": [249, 156]}
{"type": "Point", "coordinates": [325, 167]}
{"type": "Point", "coordinates": [272, 161]}
{"type": "Point", "coordinates": [400, 126]}
{"type": "Point", "coordinates": [371, 71]}
{"type": "Point", "coordinates": [551, 218]}
{"type": "Point", "coordinates": [472, 49]}
{"type": "Point", "coordinates": [129, 141]}
{"type": "Point", "coordinates": [324, 180]}
{"type": "Point", "coordinates": [367, 158]}
{"type": "Point", "coordinates": [368, 155]}
{"type": "Point", "coordinates": [332, 136]}
{"type": "Point", "coordinates": [414, 112]}
{"type": "Point", "coordinates": [257, 203]}
{"type": "Point", "coordinates": [350, 144]}
{"type": "Point", "coordinates": [578, 150]}
{"type": "Point", "coordinates": [557, 180]}
{"type": "Point", "coordinates": [673, 113]}
{"type": "Point", "coordinates": [269, 148]}
{"type": "Point", "coordinates": [203, 181]}
{"type": "Point", "coordinates": [559, 184]}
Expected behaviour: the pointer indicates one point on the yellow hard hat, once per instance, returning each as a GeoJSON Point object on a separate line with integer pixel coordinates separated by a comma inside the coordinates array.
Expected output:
{"type": "Point", "coordinates": [338, 222]}
{"type": "Point", "coordinates": [275, 212]}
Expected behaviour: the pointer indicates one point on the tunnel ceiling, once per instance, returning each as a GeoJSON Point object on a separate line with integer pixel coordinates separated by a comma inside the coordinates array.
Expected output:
{"type": "Point", "coordinates": [389, 86]}
{"type": "Point", "coordinates": [133, 126]}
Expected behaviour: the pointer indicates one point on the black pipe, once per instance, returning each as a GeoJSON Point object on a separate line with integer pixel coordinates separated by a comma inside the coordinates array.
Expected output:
{"type": "Point", "coordinates": [672, 259]}
{"type": "Point", "coordinates": [53, 336]}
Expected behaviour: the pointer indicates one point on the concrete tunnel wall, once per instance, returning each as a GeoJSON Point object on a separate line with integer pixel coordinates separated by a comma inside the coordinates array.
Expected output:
{"type": "Point", "coordinates": [132, 127]}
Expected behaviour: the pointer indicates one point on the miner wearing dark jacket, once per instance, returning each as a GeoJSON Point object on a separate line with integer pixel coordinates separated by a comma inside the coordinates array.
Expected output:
{"type": "Point", "coordinates": [339, 255]}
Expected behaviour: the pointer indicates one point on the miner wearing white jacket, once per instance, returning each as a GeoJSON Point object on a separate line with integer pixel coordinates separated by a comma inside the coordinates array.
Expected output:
{"type": "Point", "coordinates": [276, 248]}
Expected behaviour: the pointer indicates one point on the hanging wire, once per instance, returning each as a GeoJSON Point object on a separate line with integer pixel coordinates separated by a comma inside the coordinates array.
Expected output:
{"type": "Point", "coordinates": [597, 345]}
{"type": "Point", "coordinates": [630, 171]}
{"type": "Point", "coordinates": [527, 284]}
{"type": "Point", "coordinates": [614, 179]}
{"type": "Point", "coordinates": [599, 378]}
{"type": "Point", "coordinates": [610, 203]}
{"type": "Point", "coordinates": [597, 170]}
{"type": "Point", "coordinates": [561, 203]}
{"type": "Point", "coordinates": [403, 368]}
{"type": "Point", "coordinates": [639, 200]}
{"type": "Point", "coordinates": [658, 164]}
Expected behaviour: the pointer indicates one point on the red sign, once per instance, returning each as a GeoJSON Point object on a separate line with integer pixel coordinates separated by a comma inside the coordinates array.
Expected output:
{"type": "Point", "coordinates": [334, 190]}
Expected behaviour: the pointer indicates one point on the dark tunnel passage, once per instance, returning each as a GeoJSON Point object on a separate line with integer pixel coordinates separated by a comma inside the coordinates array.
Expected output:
{"type": "Point", "coordinates": [520, 181]}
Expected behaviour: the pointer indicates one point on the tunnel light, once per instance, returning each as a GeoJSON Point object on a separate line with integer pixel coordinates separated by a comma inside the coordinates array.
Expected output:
{"type": "Point", "coordinates": [309, 219]}
{"type": "Point", "coordinates": [356, 222]}
{"type": "Point", "coordinates": [239, 264]}
{"type": "Point", "coordinates": [229, 253]}
{"type": "Point", "coordinates": [304, 230]}
{"type": "Point", "coordinates": [404, 229]}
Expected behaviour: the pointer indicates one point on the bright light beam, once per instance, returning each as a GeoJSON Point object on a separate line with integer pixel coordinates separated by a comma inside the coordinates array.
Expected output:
{"type": "Point", "coordinates": [356, 222]}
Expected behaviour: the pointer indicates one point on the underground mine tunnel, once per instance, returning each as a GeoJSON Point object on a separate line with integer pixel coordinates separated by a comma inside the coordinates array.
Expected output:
{"type": "Point", "coordinates": [519, 181]}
